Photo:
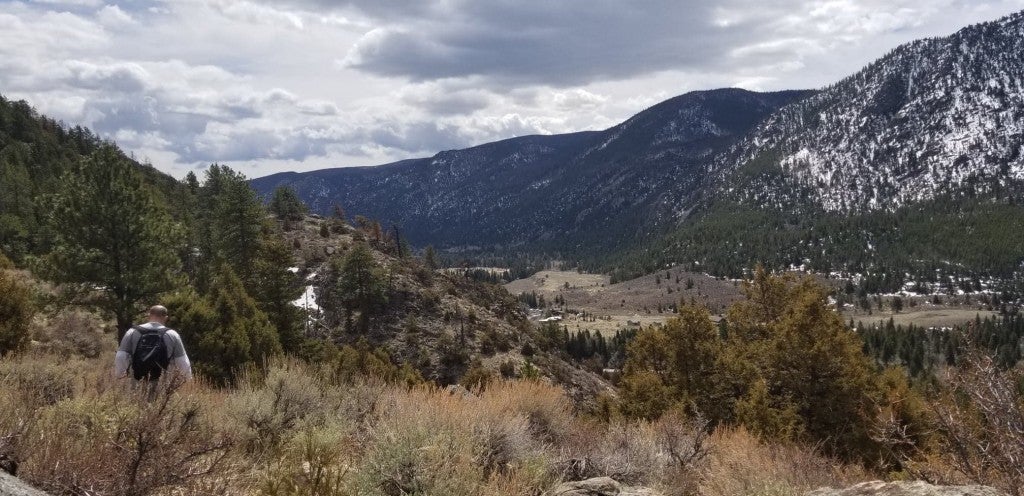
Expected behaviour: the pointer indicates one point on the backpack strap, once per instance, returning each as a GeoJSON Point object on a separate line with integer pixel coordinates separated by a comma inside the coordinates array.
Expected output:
{"type": "Point", "coordinates": [143, 330]}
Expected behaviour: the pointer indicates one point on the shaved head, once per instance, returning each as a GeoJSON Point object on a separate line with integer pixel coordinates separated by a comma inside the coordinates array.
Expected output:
{"type": "Point", "coordinates": [158, 311]}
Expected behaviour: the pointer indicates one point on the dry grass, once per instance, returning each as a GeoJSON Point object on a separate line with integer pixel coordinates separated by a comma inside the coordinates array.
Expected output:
{"type": "Point", "coordinates": [293, 431]}
{"type": "Point", "coordinates": [72, 331]}
{"type": "Point", "coordinates": [619, 303]}
{"type": "Point", "coordinates": [741, 465]}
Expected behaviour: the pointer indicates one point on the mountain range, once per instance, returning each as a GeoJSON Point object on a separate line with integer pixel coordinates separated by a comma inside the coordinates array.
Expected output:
{"type": "Point", "coordinates": [538, 188]}
{"type": "Point", "coordinates": [912, 165]}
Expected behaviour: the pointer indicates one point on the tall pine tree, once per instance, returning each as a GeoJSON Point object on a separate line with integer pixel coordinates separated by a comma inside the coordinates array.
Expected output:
{"type": "Point", "coordinates": [112, 237]}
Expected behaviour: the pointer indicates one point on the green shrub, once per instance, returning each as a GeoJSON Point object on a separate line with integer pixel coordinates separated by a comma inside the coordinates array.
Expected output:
{"type": "Point", "coordinates": [71, 332]}
{"type": "Point", "coordinates": [419, 458]}
{"type": "Point", "coordinates": [312, 464]}
{"type": "Point", "coordinates": [16, 312]}
{"type": "Point", "coordinates": [38, 381]}
{"type": "Point", "coordinates": [272, 409]}
{"type": "Point", "coordinates": [477, 377]}
{"type": "Point", "coordinates": [507, 369]}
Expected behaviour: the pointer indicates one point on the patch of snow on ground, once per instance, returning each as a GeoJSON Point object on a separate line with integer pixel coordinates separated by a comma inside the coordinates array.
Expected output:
{"type": "Point", "coordinates": [307, 301]}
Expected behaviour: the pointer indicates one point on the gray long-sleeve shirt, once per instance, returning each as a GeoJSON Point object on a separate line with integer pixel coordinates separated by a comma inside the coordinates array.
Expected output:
{"type": "Point", "coordinates": [175, 349]}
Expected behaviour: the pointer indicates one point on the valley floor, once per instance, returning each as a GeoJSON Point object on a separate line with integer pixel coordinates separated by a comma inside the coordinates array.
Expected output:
{"type": "Point", "coordinates": [593, 303]}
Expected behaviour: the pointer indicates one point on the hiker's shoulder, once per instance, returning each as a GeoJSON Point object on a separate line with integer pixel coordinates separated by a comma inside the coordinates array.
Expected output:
{"type": "Point", "coordinates": [173, 334]}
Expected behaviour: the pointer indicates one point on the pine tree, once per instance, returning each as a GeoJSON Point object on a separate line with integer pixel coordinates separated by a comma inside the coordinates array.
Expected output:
{"type": "Point", "coordinates": [286, 205]}
{"type": "Point", "coordinates": [430, 257]}
{"type": "Point", "coordinates": [225, 331]}
{"type": "Point", "coordinates": [361, 284]}
{"type": "Point", "coordinates": [274, 288]}
{"type": "Point", "coordinates": [338, 219]}
{"type": "Point", "coordinates": [17, 206]}
{"type": "Point", "coordinates": [229, 225]}
{"type": "Point", "coordinates": [239, 222]}
{"type": "Point", "coordinates": [111, 235]}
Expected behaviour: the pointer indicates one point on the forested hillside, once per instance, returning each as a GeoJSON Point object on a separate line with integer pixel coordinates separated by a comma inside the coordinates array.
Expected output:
{"type": "Point", "coordinates": [908, 171]}
{"type": "Point", "coordinates": [34, 152]}
{"type": "Point", "coordinates": [245, 282]}
{"type": "Point", "coordinates": [575, 193]}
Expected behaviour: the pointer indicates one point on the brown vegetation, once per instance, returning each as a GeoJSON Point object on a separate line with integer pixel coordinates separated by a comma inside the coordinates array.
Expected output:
{"type": "Point", "coordinates": [297, 430]}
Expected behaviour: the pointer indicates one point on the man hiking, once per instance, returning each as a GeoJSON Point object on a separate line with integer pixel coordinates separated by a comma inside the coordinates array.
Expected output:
{"type": "Point", "coordinates": [150, 349]}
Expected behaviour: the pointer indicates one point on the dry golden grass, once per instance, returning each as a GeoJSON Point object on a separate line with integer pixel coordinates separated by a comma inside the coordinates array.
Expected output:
{"type": "Point", "coordinates": [292, 430]}
{"type": "Point", "coordinates": [741, 464]}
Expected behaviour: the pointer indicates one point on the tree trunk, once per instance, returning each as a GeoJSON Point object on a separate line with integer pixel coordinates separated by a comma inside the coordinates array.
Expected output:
{"type": "Point", "coordinates": [124, 322]}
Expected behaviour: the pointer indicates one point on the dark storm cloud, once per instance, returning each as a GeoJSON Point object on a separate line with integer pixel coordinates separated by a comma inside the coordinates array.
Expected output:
{"type": "Point", "coordinates": [562, 43]}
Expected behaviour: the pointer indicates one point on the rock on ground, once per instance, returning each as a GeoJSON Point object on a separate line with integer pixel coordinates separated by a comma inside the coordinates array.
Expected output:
{"type": "Point", "coordinates": [11, 486]}
{"type": "Point", "coordinates": [917, 488]}
{"type": "Point", "coordinates": [600, 486]}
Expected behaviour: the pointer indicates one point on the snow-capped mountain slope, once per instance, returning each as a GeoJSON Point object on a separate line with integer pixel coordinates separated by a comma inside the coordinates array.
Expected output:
{"type": "Point", "coordinates": [913, 163]}
{"type": "Point", "coordinates": [934, 116]}
{"type": "Point", "coordinates": [590, 189]}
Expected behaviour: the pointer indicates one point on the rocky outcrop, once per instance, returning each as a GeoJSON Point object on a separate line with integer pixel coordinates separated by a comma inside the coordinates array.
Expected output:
{"type": "Point", "coordinates": [11, 486]}
{"type": "Point", "coordinates": [600, 486]}
{"type": "Point", "coordinates": [917, 488]}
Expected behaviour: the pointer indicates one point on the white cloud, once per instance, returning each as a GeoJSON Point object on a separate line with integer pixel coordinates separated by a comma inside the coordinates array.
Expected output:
{"type": "Point", "coordinates": [113, 17]}
{"type": "Point", "coordinates": [257, 14]}
{"type": "Point", "coordinates": [77, 3]}
{"type": "Point", "coordinates": [578, 99]}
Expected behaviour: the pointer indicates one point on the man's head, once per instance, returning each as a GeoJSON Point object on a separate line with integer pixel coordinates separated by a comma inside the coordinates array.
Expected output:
{"type": "Point", "coordinates": [158, 313]}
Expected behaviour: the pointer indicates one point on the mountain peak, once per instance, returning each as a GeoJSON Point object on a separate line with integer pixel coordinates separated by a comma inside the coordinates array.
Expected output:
{"type": "Point", "coordinates": [930, 117]}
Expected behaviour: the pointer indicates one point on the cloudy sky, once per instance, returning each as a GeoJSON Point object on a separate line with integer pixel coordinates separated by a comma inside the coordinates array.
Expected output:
{"type": "Point", "coordinates": [268, 86]}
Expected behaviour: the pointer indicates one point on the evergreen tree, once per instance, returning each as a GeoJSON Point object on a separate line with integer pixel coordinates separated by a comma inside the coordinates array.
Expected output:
{"type": "Point", "coordinates": [111, 235]}
{"type": "Point", "coordinates": [286, 205]}
{"type": "Point", "coordinates": [788, 368]}
{"type": "Point", "coordinates": [809, 361]}
{"type": "Point", "coordinates": [684, 355]}
{"type": "Point", "coordinates": [225, 331]}
{"type": "Point", "coordinates": [274, 288]}
{"type": "Point", "coordinates": [430, 257]}
{"type": "Point", "coordinates": [17, 206]}
{"type": "Point", "coordinates": [338, 221]}
{"type": "Point", "coordinates": [361, 284]}
{"type": "Point", "coordinates": [238, 217]}
{"type": "Point", "coordinates": [645, 394]}
{"type": "Point", "coordinates": [229, 225]}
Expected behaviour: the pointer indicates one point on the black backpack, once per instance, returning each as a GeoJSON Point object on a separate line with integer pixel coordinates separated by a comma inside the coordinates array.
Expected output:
{"type": "Point", "coordinates": [151, 356]}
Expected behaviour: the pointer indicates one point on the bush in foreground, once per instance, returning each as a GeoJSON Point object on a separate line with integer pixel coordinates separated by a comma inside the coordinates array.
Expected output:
{"type": "Point", "coordinates": [292, 429]}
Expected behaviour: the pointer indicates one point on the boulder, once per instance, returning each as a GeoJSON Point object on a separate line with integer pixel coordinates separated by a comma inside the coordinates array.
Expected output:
{"type": "Point", "coordinates": [916, 488]}
{"type": "Point", "coordinates": [12, 486]}
{"type": "Point", "coordinates": [460, 391]}
{"type": "Point", "coordinates": [600, 486]}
